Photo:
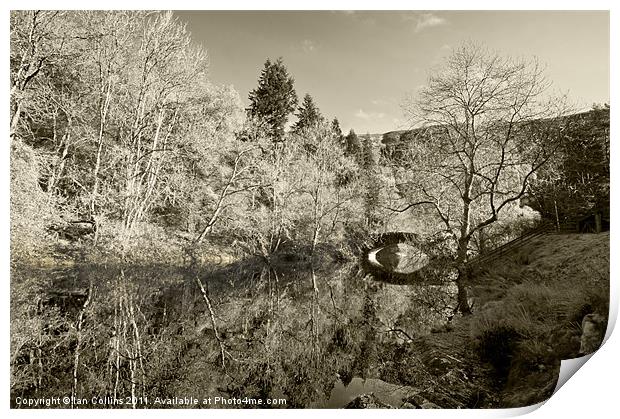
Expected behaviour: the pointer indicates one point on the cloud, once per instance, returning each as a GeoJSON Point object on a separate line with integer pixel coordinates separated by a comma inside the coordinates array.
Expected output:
{"type": "Point", "coordinates": [308, 45]}
{"type": "Point", "coordinates": [423, 21]}
{"type": "Point", "coordinates": [362, 16]}
{"type": "Point", "coordinates": [428, 20]}
{"type": "Point", "coordinates": [379, 102]}
{"type": "Point", "coordinates": [369, 115]}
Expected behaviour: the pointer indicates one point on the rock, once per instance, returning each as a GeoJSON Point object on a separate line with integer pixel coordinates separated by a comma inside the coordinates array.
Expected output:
{"type": "Point", "coordinates": [74, 230]}
{"type": "Point", "coordinates": [593, 331]}
{"type": "Point", "coordinates": [408, 405]}
{"type": "Point", "coordinates": [367, 401]}
{"type": "Point", "coordinates": [439, 365]}
{"type": "Point", "coordinates": [463, 392]}
{"type": "Point", "coordinates": [455, 377]}
{"type": "Point", "coordinates": [430, 405]}
{"type": "Point", "coordinates": [416, 400]}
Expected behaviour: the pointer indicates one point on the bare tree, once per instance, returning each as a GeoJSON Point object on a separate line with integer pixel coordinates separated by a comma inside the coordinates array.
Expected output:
{"type": "Point", "coordinates": [239, 180]}
{"type": "Point", "coordinates": [321, 160]}
{"type": "Point", "coordinates": [36, 41]}
{"type": "Point", "coordinates": [165, 74]}
{"type": "Point", "coordinates": [109, 34]}
{"type": "Point", "coordinates": [486, 125]}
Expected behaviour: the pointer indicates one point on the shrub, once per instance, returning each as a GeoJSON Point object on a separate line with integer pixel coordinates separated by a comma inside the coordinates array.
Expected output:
{"type": "Point", "coordinates": [523, 256]}
{"type": "Point", "coordinates": [31, 208]}
{"type": "Point", "coordinates": [497, 346]}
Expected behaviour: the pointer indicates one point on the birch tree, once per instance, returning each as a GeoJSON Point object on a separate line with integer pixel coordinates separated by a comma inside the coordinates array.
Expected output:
{"type": "Point", "coordinates": [321, 161]}
{"type": "Point", "coordinates": [161, 77]}
{"type": "Point", "coordinates": [37, 41]}
{"type": "Point", "coordinates": [110, 35]}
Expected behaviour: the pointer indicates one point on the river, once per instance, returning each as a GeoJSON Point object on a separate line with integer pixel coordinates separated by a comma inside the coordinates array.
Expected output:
{"type": "Point", "coordinates": [149, 331]}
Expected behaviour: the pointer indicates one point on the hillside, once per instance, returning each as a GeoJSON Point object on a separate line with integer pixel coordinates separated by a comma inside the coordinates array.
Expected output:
{"type": "Point", "coordinates": [546, 294]}
{"type": "Point", "coordinates": [581, 144]}
{"type": "Point", "coordinates": [540, 296]}
{"type": "Point", "coordinates": [529, 311]}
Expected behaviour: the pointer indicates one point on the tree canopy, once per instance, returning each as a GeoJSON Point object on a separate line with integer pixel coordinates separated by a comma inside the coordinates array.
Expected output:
{"type": "Point", "coordinates": [352, 145]}
{"type": "Point", "coordinates": [480, 144]}
{"type": "Point", "coordinates": [337, 130]}
{"type": "Point", "coordinates": [274, 99]}
{"type": "Point", "coordinates": [576, 181]}
{"type": "Point", "coordinates": [308, 115]}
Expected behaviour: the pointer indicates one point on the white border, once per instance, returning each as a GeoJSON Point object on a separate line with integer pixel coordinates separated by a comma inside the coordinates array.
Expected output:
{"type": "Point", "coordinates": [593, 392]}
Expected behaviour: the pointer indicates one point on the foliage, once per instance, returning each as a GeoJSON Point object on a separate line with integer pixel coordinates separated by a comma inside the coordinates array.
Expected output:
{"type": "Point", "coordinates": [121, 119]}
{"type": "Point", "coordinates": [371, 183]}
{"type": "Point", "coordinates": [29, 218]}
{"type": "Point", "coordinates": [274, 98]}
{"type": "Point", "coordinates": [353, 145]}
{"type": "Point", "coordinates": [337, 131]}
{"type": "Point", "coordinates": [576, 181]}
{"type": "Point", "coordinates": [308, 116]}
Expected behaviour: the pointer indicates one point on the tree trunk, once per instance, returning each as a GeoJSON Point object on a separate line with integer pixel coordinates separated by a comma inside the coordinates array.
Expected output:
{"type": "Point", "coordinates": [15, 119]}
{"type": "Point", "coordinates": [463, 278]}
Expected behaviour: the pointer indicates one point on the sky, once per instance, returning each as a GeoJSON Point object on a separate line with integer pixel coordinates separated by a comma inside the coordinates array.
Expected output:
{"type": "Point", "coordinates": [360, 66]}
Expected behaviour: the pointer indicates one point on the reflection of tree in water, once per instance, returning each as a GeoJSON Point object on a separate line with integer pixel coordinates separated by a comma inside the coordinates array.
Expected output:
{"type": "Point", "coordinates": [279, 336]}
{"type": "Point", "coordinates": [319, 337]}
{"type": "Point", "coordinates": [367, 356]}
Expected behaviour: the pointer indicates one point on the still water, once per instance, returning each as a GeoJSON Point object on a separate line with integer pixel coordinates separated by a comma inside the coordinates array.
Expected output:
{"type": "Point", "coordinates": [388, 393]}
{"type": "Point", "coordinates": [261, 332]}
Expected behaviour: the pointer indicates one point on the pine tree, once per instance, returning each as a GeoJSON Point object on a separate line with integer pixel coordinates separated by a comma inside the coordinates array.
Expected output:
{"type": "Point", "coordinates": [371, 183]}
{"type": "Point", "coordinates": [353, 146]}
{"type": "Point", "coordinates": [274, 98]}
{"type": "Point", "coordinates": [308, 115]}
{"type": "Point", "coordinates": [337, 131]}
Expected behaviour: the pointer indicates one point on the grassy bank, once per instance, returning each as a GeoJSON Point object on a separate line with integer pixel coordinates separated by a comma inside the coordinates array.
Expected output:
{"type": "Point", "coordinates": [529, 308]}
{"type": "Point", "coordinates": [528, 312]}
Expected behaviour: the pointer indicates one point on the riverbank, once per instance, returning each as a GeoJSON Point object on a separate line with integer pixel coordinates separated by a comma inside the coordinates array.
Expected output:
{"type": "Point", "coordinates": [148, 245]}
{"type": "Point", "coordinates": [532, 309]}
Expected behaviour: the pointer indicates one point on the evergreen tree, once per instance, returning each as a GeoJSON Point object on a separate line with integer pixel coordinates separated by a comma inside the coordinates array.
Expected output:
{"type": "Point", "coordinates": [274, 98]}
{"type": "Point", "coordinates": [371, 183]}
{"type": "Point", "coordinates": [308, 115]}
{"type": "Point", "coordinates": [576, 182]}
{"type": "Point", "coordinates": [337, 131]}
{"type": "Point", "coordinates": [352, 145]}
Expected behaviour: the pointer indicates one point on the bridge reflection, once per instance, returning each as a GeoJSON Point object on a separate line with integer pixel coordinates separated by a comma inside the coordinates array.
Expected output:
{"type": "Point", "coordinates": [406, 259]}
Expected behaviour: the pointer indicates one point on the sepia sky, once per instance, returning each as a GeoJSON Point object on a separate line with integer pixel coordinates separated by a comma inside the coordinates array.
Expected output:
{"type": "Point", "coordinates": [359, 66]}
